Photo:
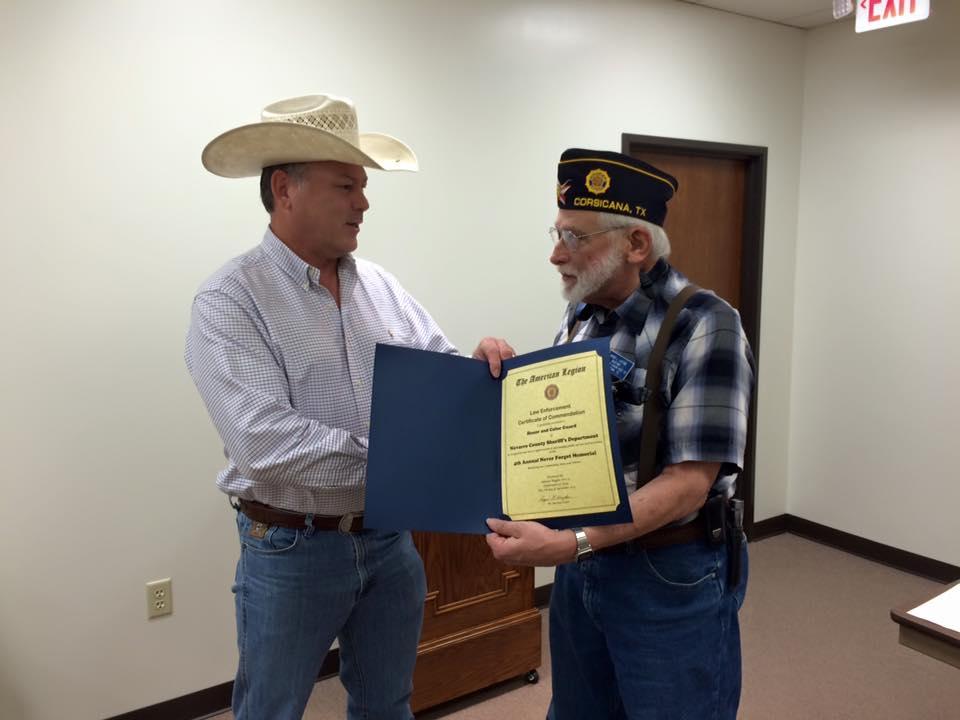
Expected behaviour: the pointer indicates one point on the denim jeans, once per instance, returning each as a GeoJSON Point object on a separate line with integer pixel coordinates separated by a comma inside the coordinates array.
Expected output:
{"type": "Point", "coordinates": [297, 590]}
{"type": "Point", "coordinates": [647, 635]}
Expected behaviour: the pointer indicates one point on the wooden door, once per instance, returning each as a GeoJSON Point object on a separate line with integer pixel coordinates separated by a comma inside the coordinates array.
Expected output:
{"type": "Point", "coordinates": [705, 220]}
{"type": "Point", "coordinates": [480, 624]}
{"type": "Point", "coordinates": [715, 225]}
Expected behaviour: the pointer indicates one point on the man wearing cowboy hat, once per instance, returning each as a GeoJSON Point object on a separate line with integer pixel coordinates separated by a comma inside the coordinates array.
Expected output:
{"type": "Point", "coordinates": [643, 616]}
{"type": "Point", "coordinates": [281, 348]}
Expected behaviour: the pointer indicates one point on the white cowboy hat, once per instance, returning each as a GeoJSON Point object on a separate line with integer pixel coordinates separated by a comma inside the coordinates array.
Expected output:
{"type": "Point", "coordinates": [304, 129]}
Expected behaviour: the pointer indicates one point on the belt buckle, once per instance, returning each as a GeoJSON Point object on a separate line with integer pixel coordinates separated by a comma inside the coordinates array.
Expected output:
{"type": "Point", "coordinates": [346, 521]}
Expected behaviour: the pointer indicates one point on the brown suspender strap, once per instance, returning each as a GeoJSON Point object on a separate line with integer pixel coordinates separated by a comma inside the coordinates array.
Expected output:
{"type": "Point", "coordinates": [653, 406]}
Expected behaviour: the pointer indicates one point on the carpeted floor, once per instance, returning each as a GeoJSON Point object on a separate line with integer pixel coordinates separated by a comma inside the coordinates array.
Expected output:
{"type": "Point", "coordinates": [818, 644]}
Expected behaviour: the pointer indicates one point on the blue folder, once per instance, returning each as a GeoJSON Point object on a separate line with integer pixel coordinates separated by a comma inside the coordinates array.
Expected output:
{"type": "Point", "coordinates": [434, 456]}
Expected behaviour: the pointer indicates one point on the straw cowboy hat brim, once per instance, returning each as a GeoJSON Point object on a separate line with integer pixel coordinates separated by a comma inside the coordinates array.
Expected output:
{"type": "Point", "coordinates": [306, 129]}
{"type": "Point", "coordinates": [246, 150]}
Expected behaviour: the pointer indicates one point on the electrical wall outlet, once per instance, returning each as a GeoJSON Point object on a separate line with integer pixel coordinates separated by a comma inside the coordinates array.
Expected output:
{"type": "Point", "coordinates": [159, 598]}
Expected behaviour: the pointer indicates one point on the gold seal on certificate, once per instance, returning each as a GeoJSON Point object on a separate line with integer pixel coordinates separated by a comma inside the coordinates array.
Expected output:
{"type": "Point", "coordinates": [556, 458]}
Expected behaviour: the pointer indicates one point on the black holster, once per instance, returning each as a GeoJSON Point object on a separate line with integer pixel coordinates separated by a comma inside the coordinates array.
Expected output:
{"type": "Point", "coordinates": [724, 523]}
{"type": "Point", "coordinates": [734, 541]}
{"type": "Point", "coordinates": [715, 519]}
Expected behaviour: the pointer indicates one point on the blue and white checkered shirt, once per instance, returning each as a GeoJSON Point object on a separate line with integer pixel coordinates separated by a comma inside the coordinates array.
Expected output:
{"type": "Point", "coordinates": [707, 374]}
{"type": "Point", "coordinates": [286, 375]}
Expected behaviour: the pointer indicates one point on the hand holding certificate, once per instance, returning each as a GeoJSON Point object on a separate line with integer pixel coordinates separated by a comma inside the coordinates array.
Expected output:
{"type": "Point", "coordinates": [451, 446]}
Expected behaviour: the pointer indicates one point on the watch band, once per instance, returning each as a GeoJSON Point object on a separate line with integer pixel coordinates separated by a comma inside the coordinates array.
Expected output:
{"type": "Point", "coordinates": [584, 549]}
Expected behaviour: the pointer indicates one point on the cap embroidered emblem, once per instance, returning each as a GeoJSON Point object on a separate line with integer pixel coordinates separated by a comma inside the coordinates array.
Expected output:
{"type": "Point", "coordinates": [562, 192]}
{"type": "Point", "coordinates": [598, 181]}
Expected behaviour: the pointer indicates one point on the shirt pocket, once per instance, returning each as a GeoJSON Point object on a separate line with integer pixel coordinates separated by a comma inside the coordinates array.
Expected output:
{"type": "Point", "coordinates": [398, 335]}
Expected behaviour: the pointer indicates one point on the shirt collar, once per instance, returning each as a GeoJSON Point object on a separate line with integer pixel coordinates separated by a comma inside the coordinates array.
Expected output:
{"type": "Point", "coordinates": [584, 311]}
{"type": "Point", "coordinates": [634, 310]}
{"type": "Point", "coordinates": [301, 272]}
{"type": "Point", "coordinates": [285, 258]}
{"type": "Point", "coordinates": [653, 281]}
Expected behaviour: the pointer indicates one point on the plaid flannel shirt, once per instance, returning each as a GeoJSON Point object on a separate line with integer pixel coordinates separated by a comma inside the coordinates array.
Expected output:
{"type": "Point", "coordinates": [707, 374]}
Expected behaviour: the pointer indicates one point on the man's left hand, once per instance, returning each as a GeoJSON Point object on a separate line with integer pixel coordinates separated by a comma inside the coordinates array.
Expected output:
{"type": "Point", "coordinates": [530, 543]}
{"type": "Point", "coordinates": [494, 350]}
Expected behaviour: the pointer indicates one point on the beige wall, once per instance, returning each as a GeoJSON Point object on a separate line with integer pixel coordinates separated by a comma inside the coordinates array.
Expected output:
{"type": "Point", "coordinates": [876, 348]}
{"type": "Point", "coordinates": [111, 223]}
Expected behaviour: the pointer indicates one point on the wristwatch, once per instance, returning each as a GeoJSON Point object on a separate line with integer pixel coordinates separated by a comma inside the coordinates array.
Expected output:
{"type": "Point", "coordinates": [584, 549]}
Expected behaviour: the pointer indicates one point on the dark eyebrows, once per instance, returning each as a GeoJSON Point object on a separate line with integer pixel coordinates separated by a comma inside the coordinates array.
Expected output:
{"type": "Point", "coordinates": [345, 178]}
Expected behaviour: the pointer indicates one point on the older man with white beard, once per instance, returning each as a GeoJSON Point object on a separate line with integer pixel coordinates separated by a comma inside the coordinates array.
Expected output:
{"type": "Point", "coordinates": [643, 615]}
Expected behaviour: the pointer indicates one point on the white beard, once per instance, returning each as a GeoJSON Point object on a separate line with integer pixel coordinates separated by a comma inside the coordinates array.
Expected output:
{"type": "Point", "coordinates": [593, 277]}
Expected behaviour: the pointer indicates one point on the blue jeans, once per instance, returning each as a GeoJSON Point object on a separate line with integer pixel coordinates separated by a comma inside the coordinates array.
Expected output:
{"type": "Point", "coordinates": [297, 590]}
{"type": "Point", "coordinates": [647, 635]}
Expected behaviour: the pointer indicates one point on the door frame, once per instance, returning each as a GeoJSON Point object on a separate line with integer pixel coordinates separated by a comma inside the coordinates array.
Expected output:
{"type": "Point", "coordinates": [751, 265]}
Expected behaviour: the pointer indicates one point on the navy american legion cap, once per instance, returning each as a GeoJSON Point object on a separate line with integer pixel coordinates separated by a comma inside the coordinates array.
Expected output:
{"type": "Point", "coordinates": [610, 182]}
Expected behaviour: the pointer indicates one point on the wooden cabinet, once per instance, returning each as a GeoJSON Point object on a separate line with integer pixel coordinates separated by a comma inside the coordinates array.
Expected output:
{"type": "Point", "coordinates": [480, 624]}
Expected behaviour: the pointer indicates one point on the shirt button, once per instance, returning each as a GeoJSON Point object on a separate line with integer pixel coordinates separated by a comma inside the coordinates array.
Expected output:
{"type": "Point", "coordinates": [306, 286]}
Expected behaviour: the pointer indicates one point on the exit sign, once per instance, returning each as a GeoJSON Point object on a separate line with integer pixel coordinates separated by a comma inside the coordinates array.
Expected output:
{"type": "Point", "coordinates": [876, 14]}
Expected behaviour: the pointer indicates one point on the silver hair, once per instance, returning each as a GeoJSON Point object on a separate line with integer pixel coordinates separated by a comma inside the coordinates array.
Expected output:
{"type": "Point", "coordinates": [660, 243]}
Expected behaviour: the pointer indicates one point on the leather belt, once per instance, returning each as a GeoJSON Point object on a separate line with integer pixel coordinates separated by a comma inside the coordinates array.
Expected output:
{"type": "Point", "coordinates": [258, 512]}
{"type": "Point", "coordinates": [662, 537]}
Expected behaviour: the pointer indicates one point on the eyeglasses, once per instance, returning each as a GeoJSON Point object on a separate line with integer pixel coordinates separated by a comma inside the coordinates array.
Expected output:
{"type": "Point", "coordinates": [571, 240]}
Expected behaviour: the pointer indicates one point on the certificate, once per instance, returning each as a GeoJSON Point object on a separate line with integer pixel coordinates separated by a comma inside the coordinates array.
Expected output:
{"type": "Point", "coordinates": [451, 446]}
{"type": "Point", "coordinates": [556, 452]}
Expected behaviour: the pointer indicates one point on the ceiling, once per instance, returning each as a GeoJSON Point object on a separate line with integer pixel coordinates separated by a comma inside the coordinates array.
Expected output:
{"type": "Point", "coordinates": [796, 13]}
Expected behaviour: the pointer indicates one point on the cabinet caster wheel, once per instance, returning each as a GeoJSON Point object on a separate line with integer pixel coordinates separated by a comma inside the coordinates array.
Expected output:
{"type": "Point", "coordinates": [532, 677]}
